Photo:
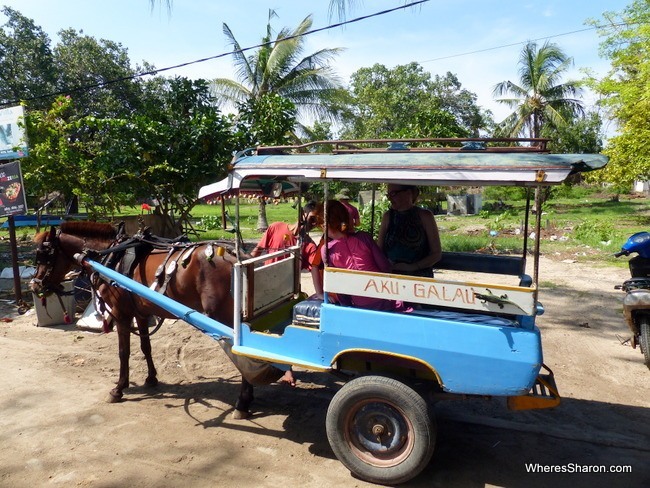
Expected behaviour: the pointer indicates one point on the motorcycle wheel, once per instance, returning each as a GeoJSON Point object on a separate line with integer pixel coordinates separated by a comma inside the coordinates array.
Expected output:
{"type": "Point", "coordinates": [644, 338]}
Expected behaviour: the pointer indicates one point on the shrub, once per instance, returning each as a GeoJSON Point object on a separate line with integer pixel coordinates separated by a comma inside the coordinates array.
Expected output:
{"type": "Point", "coordinates": [381, 206]}
{"type": "Point", "coordinates": [511, 193]}
{"type": "Point", "coordinates": [593, 232]}
{"type": "Point", "coordinates": [210, 222]}
{"type": "Point", "coordinates": [571, 191]}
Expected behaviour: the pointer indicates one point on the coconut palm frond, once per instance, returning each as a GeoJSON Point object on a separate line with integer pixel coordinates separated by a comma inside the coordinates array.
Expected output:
{"type": "Point", "coordinates": [511, 126]}
{"type": "Point", "coordinates": [243, 70]}
{"type": "Point", "coordinates": [228, 92]}
{"type": "Point", "coordinates": [539, 97]}
{"type": "Point", "coordinates": [280, 66]}
{"type": "Point", "coordinates": [287, 48]}
{"type": "Point", "coordinates": [509, 88]}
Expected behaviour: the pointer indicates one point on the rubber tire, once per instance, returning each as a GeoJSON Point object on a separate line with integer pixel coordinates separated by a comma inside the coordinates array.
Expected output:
{"type": "Point", "coordinates": [644, 338]}
{"type": "Point", "coordinates": [376, 399]}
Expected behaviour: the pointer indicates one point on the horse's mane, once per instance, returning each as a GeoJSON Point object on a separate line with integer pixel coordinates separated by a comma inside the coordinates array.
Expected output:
{"type": "Point", "coordinates": [94, 230]}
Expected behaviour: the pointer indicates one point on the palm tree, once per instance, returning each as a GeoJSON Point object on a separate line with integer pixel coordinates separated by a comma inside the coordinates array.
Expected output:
{"type": "Point", "coordinates": [278, 67]}
{"type": "Point", "coordinates": [539, 98]}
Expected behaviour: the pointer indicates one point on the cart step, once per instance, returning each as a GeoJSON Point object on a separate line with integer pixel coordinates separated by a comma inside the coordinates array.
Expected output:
{"type": "Point", "coordinates": [277, 358]}
{"type": "Point", "coordinates": [543, 394]}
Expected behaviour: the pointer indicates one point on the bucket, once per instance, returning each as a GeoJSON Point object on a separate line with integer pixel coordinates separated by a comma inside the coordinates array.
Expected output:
{"type": "Point", "coordinates": [52, 313]}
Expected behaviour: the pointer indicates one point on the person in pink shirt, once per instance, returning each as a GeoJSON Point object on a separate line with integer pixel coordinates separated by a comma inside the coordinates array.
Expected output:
{"type": "Point", "coordinates": [354, 250]}
{"type": "Point", "coordinates": [344, 197]}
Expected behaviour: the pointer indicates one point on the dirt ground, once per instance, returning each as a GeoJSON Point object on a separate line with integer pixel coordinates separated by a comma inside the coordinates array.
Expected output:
{"type": "Point", "coordinates": [57, 430]}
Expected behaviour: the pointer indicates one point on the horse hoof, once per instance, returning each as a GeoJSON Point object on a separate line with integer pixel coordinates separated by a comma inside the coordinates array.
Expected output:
{"type": "Point", "coordinates": [151, 382]}
{"type": "Point", "coordinates": [114, 397]}
{"type": "Point", "coordinates": [240, 414]}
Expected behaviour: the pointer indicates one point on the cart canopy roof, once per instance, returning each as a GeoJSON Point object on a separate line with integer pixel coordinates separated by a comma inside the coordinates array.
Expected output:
{"type": "Point", "coordinates": [432, 162]}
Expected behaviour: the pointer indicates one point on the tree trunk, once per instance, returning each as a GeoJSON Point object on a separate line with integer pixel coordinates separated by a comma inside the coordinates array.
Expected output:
{"type": "Point", "coordinates": [262, 223]}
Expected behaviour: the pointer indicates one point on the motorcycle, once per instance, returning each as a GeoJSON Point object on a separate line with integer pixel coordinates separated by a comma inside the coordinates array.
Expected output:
{"type": "Point", "coordinates": [636, 304]}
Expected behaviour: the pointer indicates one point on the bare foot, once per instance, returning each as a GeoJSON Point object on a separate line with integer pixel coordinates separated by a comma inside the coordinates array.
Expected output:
{"type": "Point", "coordinates": [287, 378]}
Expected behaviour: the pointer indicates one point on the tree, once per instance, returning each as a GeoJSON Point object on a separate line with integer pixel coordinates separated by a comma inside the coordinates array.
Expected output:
{"type": "Point", "coordinates": [26, 61]}
{"type": "Point", "coordinates": [583, 135]}
{"type": "Point", "coordinates": [626, 92]}
{"type": "Point", "coordinates": [277, 73]}
{"type": "Point", "coordinates": [167, 151]}
{"type": "Point", "coordinates": [84, 62]}
{"type": "Point", "coordinates": [180, 141]}
{"type": "Point", "coordinates": [279, 67]}
{"type": "Point", "coordinates": [461, 103]}
{"type": "Point", "coordinates": [265, 120]}
{"type": "Point", "coordinates": [539, 98]}
{"type": "Point", "coordinates": [405, 102]}
{"type": "Point", "coordinates": [66, 156]}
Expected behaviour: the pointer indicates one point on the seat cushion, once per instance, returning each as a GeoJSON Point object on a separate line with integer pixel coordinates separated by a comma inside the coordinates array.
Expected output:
{"type": "Point", "coordinates": [307, 312]}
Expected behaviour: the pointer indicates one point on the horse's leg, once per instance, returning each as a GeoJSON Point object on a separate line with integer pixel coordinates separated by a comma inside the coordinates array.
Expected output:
{"type": "Point", "coordinates": [242, 407]}
{"type": "Point", "coordinates": [145, 347]}
{"type": "Point", "coordinates": [124, 340]}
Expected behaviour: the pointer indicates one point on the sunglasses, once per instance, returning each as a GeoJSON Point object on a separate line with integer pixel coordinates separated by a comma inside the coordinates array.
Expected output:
{"type": "Point", "coordinates": [393, 193]}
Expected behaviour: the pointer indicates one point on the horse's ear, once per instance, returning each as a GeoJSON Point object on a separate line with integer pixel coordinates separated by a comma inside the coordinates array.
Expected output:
{"type": "Point", "coordinates": [52, 234]}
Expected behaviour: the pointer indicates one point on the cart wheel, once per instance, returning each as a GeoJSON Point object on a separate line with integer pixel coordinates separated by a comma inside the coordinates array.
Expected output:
{"type": "Point", "coordinates": [644, 338]}
{"type": "Point", "coordinates": [380, 429]}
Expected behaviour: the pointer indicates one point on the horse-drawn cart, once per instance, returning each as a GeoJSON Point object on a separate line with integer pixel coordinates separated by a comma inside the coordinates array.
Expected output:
{"type": "Point", "coordinates": [473, 336]}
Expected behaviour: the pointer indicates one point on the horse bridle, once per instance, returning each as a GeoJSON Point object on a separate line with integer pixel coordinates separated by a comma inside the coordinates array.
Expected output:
{"type": "Point", "coordinates": [46, 255]}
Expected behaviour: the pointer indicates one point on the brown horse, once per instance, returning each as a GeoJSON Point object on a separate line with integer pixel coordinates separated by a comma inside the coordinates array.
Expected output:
{"type": "Point", "coordinates": [201, 281]}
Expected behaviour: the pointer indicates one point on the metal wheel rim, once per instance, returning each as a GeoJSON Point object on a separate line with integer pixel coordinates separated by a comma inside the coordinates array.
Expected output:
{"type": "Point", "coordinates": [379, 433]}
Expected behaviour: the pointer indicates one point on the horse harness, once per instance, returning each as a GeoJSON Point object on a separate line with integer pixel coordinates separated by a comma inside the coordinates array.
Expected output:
{"type": "Point", "coordinates": [125, 254]}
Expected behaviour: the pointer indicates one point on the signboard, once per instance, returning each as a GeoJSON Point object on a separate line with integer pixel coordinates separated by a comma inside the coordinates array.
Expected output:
{"type": "Point", "coordinates": [13, 144]}
{"type": "Point", "coordinates": [12, 191]}
{"type": "Point", "coordinates": [503, 299]}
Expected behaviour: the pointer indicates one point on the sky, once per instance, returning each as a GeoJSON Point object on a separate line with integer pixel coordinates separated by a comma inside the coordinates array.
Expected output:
{"type": "Point", "coordinates": [477, 40]}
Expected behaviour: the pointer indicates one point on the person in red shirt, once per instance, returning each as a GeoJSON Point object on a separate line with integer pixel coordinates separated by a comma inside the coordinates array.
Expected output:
{"type": "Point", "coordinates": [280, 235]}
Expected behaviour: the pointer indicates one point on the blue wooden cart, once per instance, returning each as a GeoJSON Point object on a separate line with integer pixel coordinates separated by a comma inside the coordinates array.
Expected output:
{"type": "Point", "coordinates": [476, 335]}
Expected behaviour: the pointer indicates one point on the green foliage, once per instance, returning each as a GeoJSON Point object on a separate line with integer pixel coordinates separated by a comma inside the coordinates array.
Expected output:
{"type": "Point", "coordinates": [278, 67]}
{"type": "Point", "coordinates": [166, 151]}
{"type": "Point", "coordinates": [593, 232]}
{"type": "Point", "coordinates": [366, 214]}
{"type": "Point", "coordinates": [210, 222]}
{"type": "Point", "coordinates": [26, 60]}
{"type": "Point", "coordinates": [83, 61]}
{"type": "Point", "coordinates": [266, 120]}
{"type": "Point", "coordinates": [504, 193]}
{"type": "Point", "coordinates": [500, 221]}
{"type": "Point", "coordinates": [625, 91]}
{"type": "Point", "coordinates": [566, 190]}
{"type": "Point", "coordinates": [577, 136]}
{"type": "Point", "coordinates": [404, 102]}
{"type": "Point", "coordinates": [182, 141]}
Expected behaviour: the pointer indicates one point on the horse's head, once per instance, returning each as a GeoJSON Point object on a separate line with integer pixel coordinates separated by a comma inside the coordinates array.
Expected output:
{"type": "Point", "coordinates": [56, 250]}
{"type": "Point", "coordinates": [51, 263]}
